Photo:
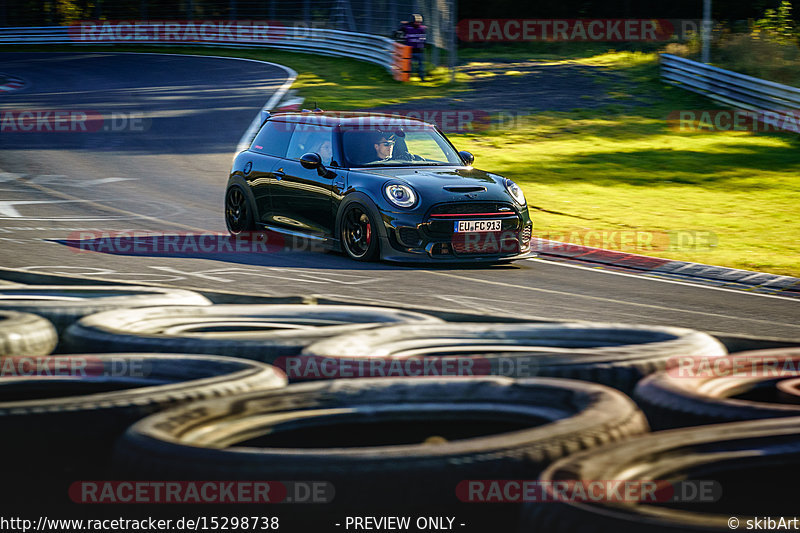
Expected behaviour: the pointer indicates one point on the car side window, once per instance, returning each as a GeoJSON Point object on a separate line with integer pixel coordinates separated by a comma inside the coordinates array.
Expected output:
{"type": "Point", "coordinates": [311, 138]}
{"type": "Point", "coordinates": [273, 139]}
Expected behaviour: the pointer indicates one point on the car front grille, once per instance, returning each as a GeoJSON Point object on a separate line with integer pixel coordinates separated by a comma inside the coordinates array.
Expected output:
{"type": "Point", "coordinates": [471, 208]}
{"type": "Point", "coordinates": [440, 222]}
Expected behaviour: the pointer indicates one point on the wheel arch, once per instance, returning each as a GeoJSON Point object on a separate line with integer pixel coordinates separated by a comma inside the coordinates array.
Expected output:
{"type": "Point", "coordinates": [237, 180]}
{"type": "Point", "coordinates": [365, 200]}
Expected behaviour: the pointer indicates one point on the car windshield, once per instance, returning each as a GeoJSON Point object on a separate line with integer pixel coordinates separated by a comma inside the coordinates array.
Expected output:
{"type": "Point", "coordinates": [397, 146]}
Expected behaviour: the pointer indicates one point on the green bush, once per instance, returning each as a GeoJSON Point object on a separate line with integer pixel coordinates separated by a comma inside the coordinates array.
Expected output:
{"type": "Point", "coordinates": [769, 50]}
{"type": "Point", "coordinates": [777, 26]}
{"type": "Point", "coordinates": [755, 55]}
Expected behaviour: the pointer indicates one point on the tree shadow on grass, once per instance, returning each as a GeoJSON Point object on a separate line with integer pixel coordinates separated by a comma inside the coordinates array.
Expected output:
{"type": "Point", "coordinates": [655, 167]}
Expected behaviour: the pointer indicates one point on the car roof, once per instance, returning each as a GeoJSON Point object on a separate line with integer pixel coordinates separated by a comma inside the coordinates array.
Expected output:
{"type": "Point", "coordinates": [348, 118]}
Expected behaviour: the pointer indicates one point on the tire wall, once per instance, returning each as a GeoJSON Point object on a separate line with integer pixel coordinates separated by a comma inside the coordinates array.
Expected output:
{"type": "Point", "coordinates": [206, 380]}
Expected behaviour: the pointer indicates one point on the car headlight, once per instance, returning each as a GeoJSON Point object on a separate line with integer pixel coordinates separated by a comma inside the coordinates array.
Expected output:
{"type": "Point", "coordinates": [515, 191]}
{"type": "Point", "coordinates": [400, 195]}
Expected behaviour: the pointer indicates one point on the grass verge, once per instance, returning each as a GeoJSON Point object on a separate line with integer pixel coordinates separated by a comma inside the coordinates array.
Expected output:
{"type": "Point", "coordinates": [727, 198]}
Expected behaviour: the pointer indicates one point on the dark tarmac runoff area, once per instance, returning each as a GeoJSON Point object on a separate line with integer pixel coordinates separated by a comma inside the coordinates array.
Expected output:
{"type": "Point", "coordinates": [158, 162]}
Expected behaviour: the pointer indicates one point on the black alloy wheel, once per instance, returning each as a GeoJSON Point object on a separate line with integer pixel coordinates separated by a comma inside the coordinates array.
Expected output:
{"type": "Point", "coordinates": [238, 216]}
{"type": "Point", "coordinates": [359, 233]}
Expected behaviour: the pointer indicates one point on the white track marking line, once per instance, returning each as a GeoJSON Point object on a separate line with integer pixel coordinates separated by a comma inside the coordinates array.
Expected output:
{"type": "Point", "coordinates": [276, 96]}
{"type": "Point", "coordinates": [244, 142]}
{"type": "Point", "coordinates": [7, 209]}
{"type": "Point", "coordinates": [676, 282]}
{"type": "Point", "coordinates": [284, 274]}
{"type": "Point", "coordinates": [609, 300]}
{"type": "Point", "coordinates": [476, 303]}
{"type": "Point", "coordinates": [288, 83]}
{"type": "Point", "coordinates": [66, 181]}
{"type": "Point", "coordinates": [102, 181]}
{"type": "Point", "coordinates": [274, 99]}
{"type": "Point", "coordinates": [248, 135]}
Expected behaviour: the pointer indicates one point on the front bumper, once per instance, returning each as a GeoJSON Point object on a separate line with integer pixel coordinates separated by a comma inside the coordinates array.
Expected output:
{"type": "Point", "coordinates": [433, 238]}
{"type": "Point", "coordinates": [407, 256]}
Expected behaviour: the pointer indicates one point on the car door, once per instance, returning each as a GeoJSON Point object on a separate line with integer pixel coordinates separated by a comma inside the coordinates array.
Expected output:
{"type": "Point", "coordinates": [266, 152]}
{"type": "Point", "coordinates": [301, 197]}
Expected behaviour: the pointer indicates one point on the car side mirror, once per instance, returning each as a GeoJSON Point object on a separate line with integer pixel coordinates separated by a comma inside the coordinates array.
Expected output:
{"type": "Point", "coordinates": [311, 160]}
{"type": "Point", "coordinates": [467, 157]}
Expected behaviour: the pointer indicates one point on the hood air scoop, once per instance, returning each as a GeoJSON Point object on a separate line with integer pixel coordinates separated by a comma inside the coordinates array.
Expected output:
{"type": "Point", "coordinates": [464, 188]}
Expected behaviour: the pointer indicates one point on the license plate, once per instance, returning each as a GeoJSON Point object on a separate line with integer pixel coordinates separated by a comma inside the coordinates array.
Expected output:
{"type": "Point", "coordinates": [477, 226]}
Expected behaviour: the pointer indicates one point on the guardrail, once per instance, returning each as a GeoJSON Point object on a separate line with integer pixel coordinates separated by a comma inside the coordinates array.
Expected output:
{"type": "Point", "coordinates": [728, 87]}
{"type": "Point", "coordinates": [236, 34]}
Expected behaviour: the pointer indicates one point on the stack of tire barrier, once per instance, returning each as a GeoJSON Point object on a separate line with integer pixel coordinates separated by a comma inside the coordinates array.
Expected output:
{"type": "Point", "coordinates": [62, 305]}
{"type": "Point", "coordinates": [262, 332]}
{"type": "Point", "coordinates": [617, 355]}
{"type": "Point", "coordinates": [734, 421]}
{"type": "Point", "coordinates": [395, 411]}
{"type": "Point", "coordinates": [743, 386]}
{"type": "Point", "coordinates": [26, 334]}
{"type": "Point", "coordinates": [752, 462]}
{"type": "Point", "coordinates": [60, 415]}
{"type": "Point", "coordinates": [385, 444]}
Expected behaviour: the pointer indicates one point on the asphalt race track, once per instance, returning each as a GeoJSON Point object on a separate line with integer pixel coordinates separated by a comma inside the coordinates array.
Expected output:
{"type": "Point", "coordinates": [161, 163]}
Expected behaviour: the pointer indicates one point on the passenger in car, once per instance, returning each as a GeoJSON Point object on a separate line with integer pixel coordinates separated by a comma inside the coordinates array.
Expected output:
{"type": "Point", "coordinates": [325, 152]}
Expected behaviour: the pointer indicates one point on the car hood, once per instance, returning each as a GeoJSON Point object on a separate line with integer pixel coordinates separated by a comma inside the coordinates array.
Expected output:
{"type": "Point", "coordinates": [458, 180]}
{"type": "Point", "coordinates": [436, 185]}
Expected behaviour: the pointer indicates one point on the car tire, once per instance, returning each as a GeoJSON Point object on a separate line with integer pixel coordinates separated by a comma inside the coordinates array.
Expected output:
{"type": "Point", "coordinates": [240, 215]}
{"type": "Point", "coordinates": [64, 304]}
{"type": "Point", "coordinates": [745, 468]}
{"type": "Point", "coordinates": [259, 332]}
{"type": "Point", "coordinates": [672, 400]}
{"type": "Point", "coordinates": [67, 417]}
{"type": "Point", "coordinates": [617, 355]}
{"type": "Point", "coordinates": [359, 233]}
{"type": "Point", "coordinates": [789, 390]}
{"type": "Point", "coordinates": [25, 334]}
{"type": "Point", "coordinates": [383, 450]}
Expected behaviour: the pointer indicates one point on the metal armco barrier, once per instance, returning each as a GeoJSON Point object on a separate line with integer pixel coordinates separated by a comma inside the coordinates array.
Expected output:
{"type": "Point", "coordinates": [237, 34]}
{"type": "Point", "coordinates": [728, 87]}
